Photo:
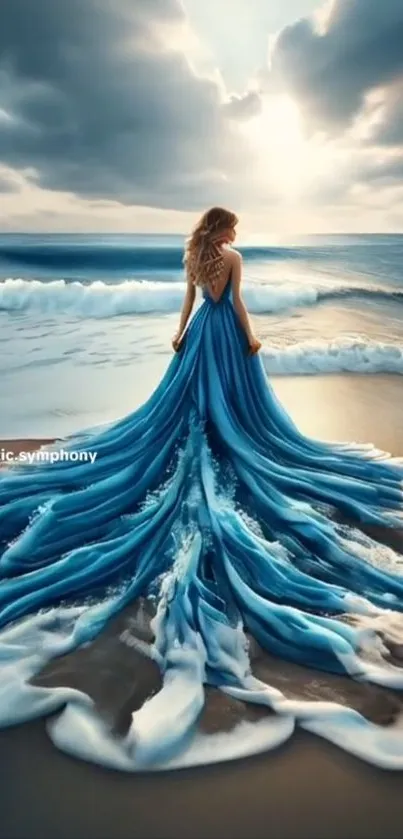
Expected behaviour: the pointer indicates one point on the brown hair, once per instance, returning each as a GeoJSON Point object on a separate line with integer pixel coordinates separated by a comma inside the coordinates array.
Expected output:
{"type": "Point", "coordinates": [203, 255]}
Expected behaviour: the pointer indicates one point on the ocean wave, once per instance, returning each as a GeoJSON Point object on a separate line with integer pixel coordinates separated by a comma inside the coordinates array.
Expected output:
{"type": "Point", "coordinates": [124, 256]}
{"type": "Point", "coordinates": [102, 300]}
{"type": "Point", "coordinates": [341, 355]}
{"type": "Point", "coordinates": [306, 358]}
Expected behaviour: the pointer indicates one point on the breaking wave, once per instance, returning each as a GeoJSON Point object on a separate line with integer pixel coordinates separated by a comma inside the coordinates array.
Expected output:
{"type": "Point", "coordinates": [99, 299]}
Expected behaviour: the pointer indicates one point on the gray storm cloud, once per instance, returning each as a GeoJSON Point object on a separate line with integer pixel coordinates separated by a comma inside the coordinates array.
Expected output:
{"type": "Point", "coordinates": [390, 131]}
{"type": "Point", "coordinates": [96, 102]}
{"type": "Point", "coordinates": [331, 72]}
{"type": "Point", "coordinates": [99, 105]}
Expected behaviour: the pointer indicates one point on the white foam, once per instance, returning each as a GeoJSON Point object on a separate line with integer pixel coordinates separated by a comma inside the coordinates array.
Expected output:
{"type": "Point", "coordinates": [95, 300]}
{"type": "Point", "coordinates": [78, 729]}
{"type": "Point", "coordinates": [99, 299]}
{"type": "Point", "coordinates": [343, 354]}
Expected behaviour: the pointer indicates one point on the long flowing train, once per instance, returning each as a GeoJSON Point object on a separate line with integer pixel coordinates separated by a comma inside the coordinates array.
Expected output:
{"type": "Point", "coordinates": [208, 502]}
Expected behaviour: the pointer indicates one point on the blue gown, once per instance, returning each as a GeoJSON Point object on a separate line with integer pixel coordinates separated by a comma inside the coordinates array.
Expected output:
{"type": "Point", "coordinates": [208, 502]}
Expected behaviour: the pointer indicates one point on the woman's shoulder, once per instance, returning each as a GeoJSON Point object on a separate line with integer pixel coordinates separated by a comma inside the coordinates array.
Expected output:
{"type": "Point", "coordinates": [232, 256]}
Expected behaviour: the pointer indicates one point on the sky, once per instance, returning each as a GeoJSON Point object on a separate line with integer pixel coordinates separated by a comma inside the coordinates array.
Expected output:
{"type": "Point", "coordinates": [136, 115]}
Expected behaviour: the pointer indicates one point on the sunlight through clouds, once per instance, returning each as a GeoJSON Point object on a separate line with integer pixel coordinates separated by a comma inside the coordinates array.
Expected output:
{"type": "Point", "coordinates": [290, 163]}
{"type": "Point", "coordinates": [173, 105]}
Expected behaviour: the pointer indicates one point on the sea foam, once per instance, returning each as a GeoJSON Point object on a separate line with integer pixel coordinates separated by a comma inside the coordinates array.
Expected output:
{"type": "Point", "coordinates": [99, 299]}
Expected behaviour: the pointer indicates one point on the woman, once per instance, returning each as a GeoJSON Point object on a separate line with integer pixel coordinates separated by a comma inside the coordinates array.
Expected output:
{"type": "Point", "coordinates": [208, 502]}
{"type": "Point", "coordinates": [210, 265]}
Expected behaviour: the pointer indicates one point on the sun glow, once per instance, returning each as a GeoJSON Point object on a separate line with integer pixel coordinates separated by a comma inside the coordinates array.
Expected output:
{"type": "Point", "coordinates": [287, 161]}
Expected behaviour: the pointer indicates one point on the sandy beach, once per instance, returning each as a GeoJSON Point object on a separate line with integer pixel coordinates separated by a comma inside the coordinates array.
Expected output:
{"type": "Point", "coordinates": [306, 788]}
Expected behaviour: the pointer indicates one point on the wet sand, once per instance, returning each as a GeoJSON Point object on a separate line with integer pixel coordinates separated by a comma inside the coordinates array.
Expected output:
{"type": "Point", "coordinates": [305, 789]}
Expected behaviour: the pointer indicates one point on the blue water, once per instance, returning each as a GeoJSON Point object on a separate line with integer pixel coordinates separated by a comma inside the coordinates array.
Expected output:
{"type": "Point", "coordinates": [72, 256]}
{"type": "Point", "coordinates": [80, 312]}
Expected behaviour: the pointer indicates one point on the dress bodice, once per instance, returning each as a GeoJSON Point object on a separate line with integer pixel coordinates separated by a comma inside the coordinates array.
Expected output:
{"type": "Point", "coordinates": [225, 294]}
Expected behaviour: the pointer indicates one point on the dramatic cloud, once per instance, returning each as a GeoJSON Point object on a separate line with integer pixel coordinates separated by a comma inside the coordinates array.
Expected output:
{"type": "Point", "coordinates": [331, 69]}
{"type": "Point", "coordinates": [387, 172]}
{"type": "Point", "coordinates": [97, 102]}
{"type": "Point", "coordinates": [244, 107]}
{"type": "Point", "coordinates": [8, 185]}
{"type": "Point", "coordinates": [110, 110]}
{"type": "Point", "coordinates": [389, 131]}
{"type": "Point", "coordinates": [344, 70]}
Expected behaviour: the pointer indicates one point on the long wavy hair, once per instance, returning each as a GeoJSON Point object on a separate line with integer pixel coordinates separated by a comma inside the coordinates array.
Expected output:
{"type": "Point", "coordinates": [203, 252]}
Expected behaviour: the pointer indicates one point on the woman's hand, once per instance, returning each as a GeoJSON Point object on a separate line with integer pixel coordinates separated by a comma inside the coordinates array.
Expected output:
{"type": "Point", "coordinates": [176, 341]}
{"type": "Point", "coordinates": [254, 345]}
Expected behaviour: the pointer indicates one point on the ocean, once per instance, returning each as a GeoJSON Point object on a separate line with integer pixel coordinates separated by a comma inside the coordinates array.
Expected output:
{"type": "Point", "coordinates": [85, 327]}
{"type": "Point", "coordinates": [86, 320]}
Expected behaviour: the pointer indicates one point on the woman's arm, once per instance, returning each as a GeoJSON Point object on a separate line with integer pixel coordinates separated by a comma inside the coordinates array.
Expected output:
{"type": "Point", "coordinates": [239, 305]}
{"type": "Point", "coordinates": [185, 313]}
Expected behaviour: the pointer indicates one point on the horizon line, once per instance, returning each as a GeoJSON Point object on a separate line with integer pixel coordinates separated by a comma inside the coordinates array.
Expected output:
{"type": "Point", "coordinates": [185, 234]}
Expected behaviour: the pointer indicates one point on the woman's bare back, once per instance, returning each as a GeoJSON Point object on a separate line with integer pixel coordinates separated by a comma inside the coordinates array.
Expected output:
{"type": "Point", "coordinates": [220, 285]}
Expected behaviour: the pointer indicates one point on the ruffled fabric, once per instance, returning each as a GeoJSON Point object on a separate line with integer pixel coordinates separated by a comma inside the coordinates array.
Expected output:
{"type": "Point", "coordinates": [208, 502]}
